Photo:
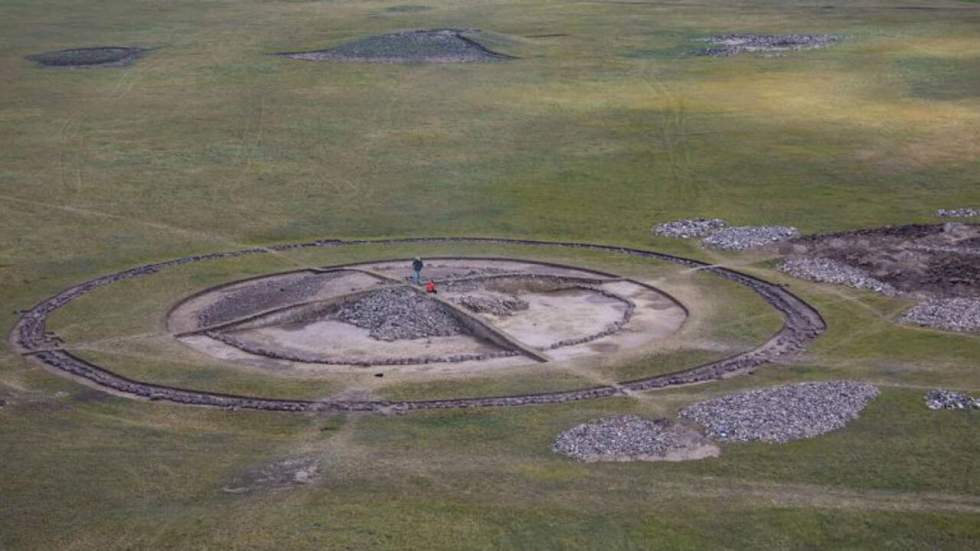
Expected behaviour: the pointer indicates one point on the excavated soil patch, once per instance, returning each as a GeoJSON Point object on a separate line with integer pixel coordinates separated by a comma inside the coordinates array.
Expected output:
{"type": "Point", "coordinates": [928, 261]}
{"type": "Point", "coordinates": [104, 56]}
{"type": "Point", "coordinates": [737, 43]}
{"type": "Point", "coordinates": [421, 46]}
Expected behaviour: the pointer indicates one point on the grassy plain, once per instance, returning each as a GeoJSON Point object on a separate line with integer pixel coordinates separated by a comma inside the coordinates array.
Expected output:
{"type": "Point", "coordinates": [597, 132]}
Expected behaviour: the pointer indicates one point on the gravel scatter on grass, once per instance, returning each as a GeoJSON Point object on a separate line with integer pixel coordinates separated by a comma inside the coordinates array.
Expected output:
{"type": "Point", "coordinates": [826, 270]}
{"type": "Point", "coordinates": [947, 399]}
{"type": "Point", "coordinates": [278, 475]}
{"type": "Point", "coordinates": [397, 314]}
{"type": "Point", "coordinates": [737, 43]}
{"type": "Point", "coordinates": [420, 46]}
{"type": "Point", "coordinates": [951, 314]}
{"type": "Point", "coordinates": [691, 227]}
{"type": "Point", "coordinates": [632, 438]}
{"type": "Point", "coordinates": [781, 414]}
{"type": "Point", "coordinates": [958, 213]}
{"type": "Point", "coordinates": [740, 238]}
{"type": "Point", "coordinates": [262, 295]}
{"type": "Point", "coordinates": [104, 56]}
{"type": "Point", "coordinates": [499, 305]}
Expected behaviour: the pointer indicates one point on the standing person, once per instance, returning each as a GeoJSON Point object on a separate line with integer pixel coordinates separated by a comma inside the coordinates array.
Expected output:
{"type": "Point", "coordinates": [417, 266]}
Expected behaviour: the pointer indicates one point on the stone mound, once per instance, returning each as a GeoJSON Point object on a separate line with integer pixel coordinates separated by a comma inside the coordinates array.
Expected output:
{"type": "Point", "coordinates": [950, 314]}
{"type": "Point", "coordinates": [398, 314]}
{"type": "Point", "coordinates": [958, 213]}
{"type": "Point", "coordinates": [947, 399]}
{"type": "Point", "coordinates": [690, 228]}
{"type": "Point", "coordinates": [781, 414]}
{"type": "Point", "coordinates": [498, 305]}
{"type": "Point", "coordinates": [741, 238]}
{"type": "Point", "coordinates": [421, 46]}
{"type": "Point", "coordinates": [632, 438]}
{"type": "Point", "coordinates": [737, 43]}
{"type": "Point", "coordinates": [106, 56]}
{"type": "Point", "coordinates": [826, 270]}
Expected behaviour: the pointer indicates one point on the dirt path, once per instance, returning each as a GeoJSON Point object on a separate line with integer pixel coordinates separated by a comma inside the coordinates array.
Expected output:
{"type": "Point", "coordinates": [29, 336]}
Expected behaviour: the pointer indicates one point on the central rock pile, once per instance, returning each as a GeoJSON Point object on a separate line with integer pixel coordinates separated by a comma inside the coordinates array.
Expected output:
{"type": "Point", "coordinates": [781, 414]}
{"type": "Point", "coordinates": [632, 438]}
{"type": "Point", "coordinates": [423, 46]}
{"type": "Point", "coordinates": [397, 314]}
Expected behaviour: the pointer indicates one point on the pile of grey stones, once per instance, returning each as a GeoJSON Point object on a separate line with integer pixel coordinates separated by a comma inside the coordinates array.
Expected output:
{"type": "Point", "coordinates": [781, 414]}
{"type": "Point", "coordinates": [498, 305]}
{"type": "Point", "coordinates": [958, 213]}
{"type": "Point", "coordinates": [718, 234]}
{"type": "Point", "coordinates": [826, 270]}
{"type": "Point", "coordinates": [952, 314]}
{"type": "Point", "coordinates": [624, 438]}
{"type": "Point", "coordinates": [947, 399]}
{"type": "Point", "coordinates": [399, 314]}
{"type": "Point", "coordinates": [737, 43]}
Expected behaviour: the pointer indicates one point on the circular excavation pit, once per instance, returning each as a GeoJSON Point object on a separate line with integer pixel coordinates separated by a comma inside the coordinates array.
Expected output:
{"type": "Point", "coordinates": [486, 313]}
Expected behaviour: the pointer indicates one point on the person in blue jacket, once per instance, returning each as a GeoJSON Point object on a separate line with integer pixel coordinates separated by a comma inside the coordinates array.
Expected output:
{"type": "Point", "coordinates": [417, 266]}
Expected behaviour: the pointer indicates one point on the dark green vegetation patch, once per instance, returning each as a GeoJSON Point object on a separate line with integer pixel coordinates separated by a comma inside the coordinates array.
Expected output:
{"type": "Point", "coordinates": [424, 46]}
{"type": "Point", "coordinates": [103, 56]}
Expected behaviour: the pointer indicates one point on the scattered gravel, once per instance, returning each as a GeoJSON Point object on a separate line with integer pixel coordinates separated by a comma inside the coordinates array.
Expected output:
{"type": "Point", "coordinates": [278, 475]}
{"type": "Point", "coordinates": [958, 213]}
{"type": "Point", "coordinates": [106, 56]}
{"type": "Point", "coordinates": [951, 314]}
{"type": "Point", "coordinates": [499, 305]}
{"type": "Point", "coordinates": [734, 44]}
{"type": "Point", "coordinates": [262, 295]}
{"type": "Point", "coordinates": [632, 438]}
{"type": "Point", "coordinates": [740, 238]}
{"type": "Point", "coordinates": [781, 414]}
{"type": "Point", "coordinates": [826, 270]}
{"type": "Point", "coordinates": [396, 314]}
{"type": "Point", "coordinates": [947, 399]}
{"type": "Point", "coordinates": [691, 227]}
{"type": "Point", "coordinates": [422, 46]}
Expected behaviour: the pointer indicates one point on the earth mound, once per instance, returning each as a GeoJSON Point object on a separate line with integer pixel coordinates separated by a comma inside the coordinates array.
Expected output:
{"type": "Point", "coordinates": [397, 314]}
{"type": "Point", "coordinates": [633, 438]}
{"type": "Point", "coordinates": [737, 43]}
{"type": "Point", "coordinates": [781, 414]}
{"type": "Point", "coordinates": [103, 56]}
{"type": "Point", "coordinates": [420, 46]}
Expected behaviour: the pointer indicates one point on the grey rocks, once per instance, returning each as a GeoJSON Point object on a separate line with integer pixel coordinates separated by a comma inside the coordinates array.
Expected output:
{"type": "Point", "coordinates": [951, 314]}
{"type": "Point", "coordinates": [717, 233]}
{"type": "Point", "coordinates": [396, 314]}
{"type": "Point", "coordinates": [958, 213]}
{"type": "Point", "coordinates": [826, 270]}
{"type": "Point", "coordinates": [737, 43]}
{"type": "Point", "coordinates": [781, 414]}
{"type": "Point", "coordinates": [632, 438]}
{"type": "Point", "coordinates": [498, 305]}
{"type": "Point", "coordinates": [690, 228]}
{"type": "Point", "coordinates": [947, 399]}
{"type": "Point", "coordinates": [740, 238]}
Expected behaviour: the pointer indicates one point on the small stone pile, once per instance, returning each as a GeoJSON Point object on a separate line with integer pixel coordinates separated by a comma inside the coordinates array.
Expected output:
{"type": "Point", "coordinates": [498, 305]}
{"type": "Point", "coordinates": [397, 314]}
{"type": "Point", "coordinates": [781, 414]}
{"type": "Point", "coordinates": [826, 270]}
{"type": "Point", "coordinates": [690, 228]}
{"type": "Point", "coordinates": [632, 438]}
{"type": "Point", "coordinates": [952, 314]}
{"type": "Point", "coordinates": [737, 43]}
{"type": "Point", "coordinates": [958, 213]}
{"type": "Point", "coordinates": [740, 238]}
{"type": "Point", "coordinates": [947, 399]}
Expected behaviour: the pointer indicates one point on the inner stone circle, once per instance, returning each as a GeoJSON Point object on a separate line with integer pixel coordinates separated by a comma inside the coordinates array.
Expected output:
{"type": "Point", "coordinates": [485, 313]}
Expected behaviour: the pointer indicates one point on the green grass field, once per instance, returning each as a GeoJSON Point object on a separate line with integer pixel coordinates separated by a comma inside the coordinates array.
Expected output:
{"type": "Point", "coordinates": [606, 124]}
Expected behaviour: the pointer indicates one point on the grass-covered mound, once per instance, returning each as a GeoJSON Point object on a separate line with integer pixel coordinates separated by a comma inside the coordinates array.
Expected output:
{"type": "Point", "coordinates": [103, 56]}
{"type": "Point", "coordinates": [422, 46]}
